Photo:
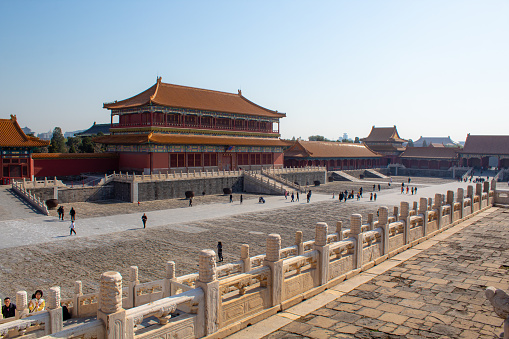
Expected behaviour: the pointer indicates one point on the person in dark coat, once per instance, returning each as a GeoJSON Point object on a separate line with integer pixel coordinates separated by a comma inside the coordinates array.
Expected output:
{"type": "Point", "coordinates": [72, 212]}
{"type": "Point", "coordinates": [144, 219]}
{"type": "Point", "coordinates": [220, 251]}
{"type": "Point", "coordinates": [8, 309]}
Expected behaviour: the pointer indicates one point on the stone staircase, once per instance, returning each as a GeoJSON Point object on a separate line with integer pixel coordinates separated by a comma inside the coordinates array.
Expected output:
{"type": "Point", "coordinates": [342, 176]}
{"type": "Point", "coordinates": [13, 206]}
{"type": "Point", "coordinates": [375, 174]}
{"type": "Point", "coordinates": [255, 182]}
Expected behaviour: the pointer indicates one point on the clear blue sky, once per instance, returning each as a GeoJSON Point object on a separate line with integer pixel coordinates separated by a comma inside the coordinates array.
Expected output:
{"type": "Point", "coordinates": [433, 68]}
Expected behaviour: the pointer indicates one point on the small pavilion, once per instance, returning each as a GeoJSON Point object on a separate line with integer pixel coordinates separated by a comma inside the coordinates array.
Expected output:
{"type": "Point", "coordinates": [385, 141]}
{"type": "Point", "coordinates": [16, 151]}
{"type": "Point", "coordinates": [486, 151]}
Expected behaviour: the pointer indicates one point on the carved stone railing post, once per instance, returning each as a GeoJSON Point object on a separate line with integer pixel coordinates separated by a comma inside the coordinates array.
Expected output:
{"type": "Point", "coordinates": [21, 304]}
{"type": "Point", "coordinates": [299, 243]}
{"type": "Point", "coordinates": [470, 192]}
{"type": "Point", "coordinates": [415, 206]}
{"type": "Point", "coordinates": [461, 199]}
{"type": "Point", "coordinates": [321, 230]}
{"type": "Point", "coordinates": [370, 221]}
{"type": "Point", "coordinates": [133, 281]}
{"type": "Point", "coordinates": [450, 198]}
{"type": "Point", "coordinates": [168, 279]}
{"type": "Point", "coordinates": [339, 230]}
{"type": "Point", "coordinates": [78, 292]}
{"type": "Point", "coordinates": [273, 260]}
{"type": "Point", "coordinates": [244, 256]}
{"type": "Point", "coordinates": [493, 185]}
{"type": "Point", "coordinates": [478, 189]}
{"type": "Point", "coordinates": [486, 187]}
{"type": "Point", "coordinates": [208, 313]}
{"type": "Point", "coordinates": [55, 311]}
{"type": "Point", "coordinates": [423, 210]}
{"type": "Point", "coordinates": [110, 306]}
{"type": "Point", "coordinates": [430, 204]}
{"type": "Point", "coordinates": [396, 213]}
{"type": "Point", "coordinates": [356, 233]}
{"type": "Point", "coordinates": [383, 216]}
{"type": "Point", "coordinates": [404, 216]}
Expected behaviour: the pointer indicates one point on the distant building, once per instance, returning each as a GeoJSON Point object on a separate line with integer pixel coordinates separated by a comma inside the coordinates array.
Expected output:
{"type": "Point", "coordinates": [345, 136]}
{"type": "Point", "coordinates": [72, 133]}
{"type": "Point", "coordinates": [16, 151]}
{"type": "Point", "coordinates": [430, 157]}
{"type": "Point", "coordinates": [333, 155]}
{"type": "Point", "coordinates": [426, 141]}
{"type": "Point", "coordinates": [26, 130]}
{"type": "Point", "coordinates": [45, 136]}
{"type": "Point", "coordinates": [385, 141]}
{"type": "Point", "coordinates": [486, 151]}
{"type": "Point", "coordinates": [94, 130]}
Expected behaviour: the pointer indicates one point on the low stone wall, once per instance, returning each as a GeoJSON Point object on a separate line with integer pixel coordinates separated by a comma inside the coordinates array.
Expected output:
{"type": "Point", "coordinates": [122, 191]}
{"type": "Point", "coordinates": [159, 190]}
{"type": "Point", "coordinates": [417, 172]}
{"type": "Point", "coordinates": [305, 178]}
{"type": "Point", "coordinates": [76, 194]}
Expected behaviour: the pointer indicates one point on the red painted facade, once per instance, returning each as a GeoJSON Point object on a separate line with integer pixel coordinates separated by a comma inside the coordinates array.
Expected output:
{"type": "Point", "coordinates": [53, 166]}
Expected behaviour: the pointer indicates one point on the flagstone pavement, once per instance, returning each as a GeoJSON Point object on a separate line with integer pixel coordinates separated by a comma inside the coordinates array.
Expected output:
{"type": "Point", "coordinates": [434, 290]}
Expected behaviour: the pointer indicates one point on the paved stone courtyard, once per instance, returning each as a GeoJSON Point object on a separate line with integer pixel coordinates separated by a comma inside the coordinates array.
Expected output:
{"type": "Point", "coordinates": [438, 293]}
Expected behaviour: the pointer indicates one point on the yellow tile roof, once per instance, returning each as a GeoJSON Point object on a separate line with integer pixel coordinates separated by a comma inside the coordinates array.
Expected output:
{"type": "Point", "coordinates": [11, 135]}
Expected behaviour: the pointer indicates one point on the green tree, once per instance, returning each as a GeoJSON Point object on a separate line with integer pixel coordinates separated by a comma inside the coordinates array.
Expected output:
{"type": "Point", "coordinates": [348, 141]}
{"type": "Point", "coordinates": [87, 145]}
{"type": "Point", "coordinates": [57, 144]}
{"type": "Point", "coordinates": [424, 143]}
{"type": "Point", "coordinates": [357, 140]}
{"type": "Point", "coordinates": [317, 138]}
{"type": "Point", "coordinates": [410, 143]}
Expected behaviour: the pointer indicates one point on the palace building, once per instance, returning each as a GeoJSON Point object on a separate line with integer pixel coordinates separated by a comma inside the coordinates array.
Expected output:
{"type": "Point", "coordinates": [385, 141]}
{"type": "Point", "coordinates": [16, 151]}
{"type": "Point", "coordinates": [333, 155]}
{"type": "Point", "coordinates": [177, 128]}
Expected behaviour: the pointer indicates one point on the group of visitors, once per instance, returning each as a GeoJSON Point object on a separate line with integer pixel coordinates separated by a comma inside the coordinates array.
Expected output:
{"type": "Point", "coordinates": [36, 304]}
{"type": "Point", "coordinates": [72, 213]}
{"type": "Point", "coordinates": [408, 189]}
{"type": "Point", "coordinates": [293, 196]}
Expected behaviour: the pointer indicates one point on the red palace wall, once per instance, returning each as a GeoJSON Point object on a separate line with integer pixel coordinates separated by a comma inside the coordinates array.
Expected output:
{"type": "Point", "coordinates": [160, 160]}
{"type": "Point", "coordinates": [279, 158]}
{"type": "Point", "coordinates": [133, 161]}
{"type": "Point", "coordinates": [53, 167]}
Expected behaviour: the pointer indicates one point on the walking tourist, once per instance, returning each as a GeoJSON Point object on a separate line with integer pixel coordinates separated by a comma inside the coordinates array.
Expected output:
{"type": "Point", "coordinates": [37, 303]}
{"type": "Point", "coordinates": [61, 213]}
{"type": "Point", "coordinates": [220, 251]}
{"type": "Point", "coordinates": [8, 309]}
{"type": "Point", "coordinates": [72, 212]}
{"type": "Point", "coordinates": [415, 190]}
{"type": "Point", "coordinates": [374, 196]}
{"type": "Point", "coordinates": [144, 219]}
{"type": "Point", "coordinates": [190, 202]}
{"type": "Point", "coordinates": [412, 191]}
{"type": "Point", "coordinates": [72, 230]}
{"type": "Point", "coordinates": [374, 187]}
{"type": "Point", "coordinates": [293, 197]}
{"type": "Point", "coordinates": [298, 194]}
{"type": "Point", "coordinates": [241, 199]}
{"type": "Point", "coordinates": [371, 197]}
{"type": "Point", "coordinates": [407, 189]}
{"type": "Point", "coordinates": [231, 198]}
{"type": "Point", "coordinates": [378, 187]}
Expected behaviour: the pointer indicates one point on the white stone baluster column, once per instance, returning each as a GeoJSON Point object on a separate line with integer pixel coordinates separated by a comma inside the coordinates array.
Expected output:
{"type": "Point", "coordinates": [383, 216]}
{"type": "Point", "coordinates": [404, 216]}
{"type": "Point", "coordinates": [322, 247]}
{"type": "Point", "coordinates": [78, 292]}
{"type": "Point", "coordinates": [55, 311]}
{"type": "Point", "coordinates": [355, 232]}
{"type": "Point", "coordinates": [339, 230]}
{"type": "Point", "coordinates": [299, 243]}
{"type": "Point", "coordinates": [110, 306]}
{"type": "Point", "coordinates": [133, 281]}
{"type": "Point", "coordinates": [208, 311]}
{"type": "Point", "coordinates": [370, 221]}
{"type": "Point", "coordinates": [423, 210]}
{"type": "Point", "coordinates": [274, 262]}
{"type": "Point", "coordinates": [461, 199]}
{"type": "Point", "coordinates": [21, 304]}
{"type": "Point", "coordinates": [168, 279]}
{"type": "Point", "coordinates": [396, 213]}
{"type": "Point", "coordinates": [244, 256]}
